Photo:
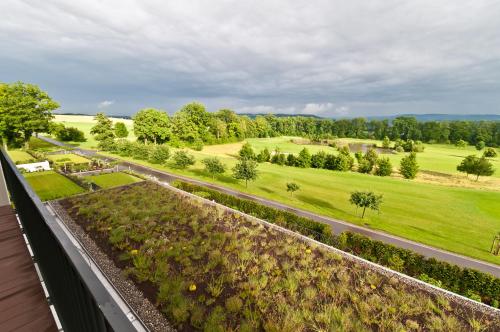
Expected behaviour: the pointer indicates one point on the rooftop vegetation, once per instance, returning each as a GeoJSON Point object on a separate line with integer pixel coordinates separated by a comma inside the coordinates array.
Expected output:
{"type": "Point", "coordinates": [210, 269]}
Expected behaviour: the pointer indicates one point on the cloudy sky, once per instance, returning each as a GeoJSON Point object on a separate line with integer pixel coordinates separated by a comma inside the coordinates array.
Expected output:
{"type": "Point", "coordinates": [330, 58]}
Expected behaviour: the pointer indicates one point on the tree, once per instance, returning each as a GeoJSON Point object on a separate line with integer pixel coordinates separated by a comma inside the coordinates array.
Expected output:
{"type": "Point", "coordinates": [292, 187]}
{"type": "Point", "coordinates": [364, 166]}
{"type": "Point", "coordinates": [366, 199]}
{"type": "Point", "coordinates": [245, 169]}
{"type": "Point", "coordinates": [182, 159]}
{"type": "Point", "coordinates": [246, 152]}
{"type": "Point", "coordinates": [121, 130]}
{"type": "Point", "coordinates": [159, 154]}
{"type": "Point", "coordinates": [408, 166]}
{"type": "Point", "coordinates": [480, 145]}
{"type": "Point", "coordinates": [318, 159]}
{"type": "Point", "coordinates": [304, 159]}
{"type": "Point", "coordinates": [477, 166]}
{"type": "Point", "coordinates": [489, 153]}
{"type": "Point", "coordinates": [291, 160]}
{"type": "Point", "coordinates": [264, 155]}
{"type": "Point", "coordinates": [191, 122]}
{"type": "Point", "coordinates": [103, 129]}
{"type": "Point", "coordinates": [24, 110]}
{"type": "Point", "coordinates": [384, 167]}
{"type": "Point", "coordinates": [152, 125]}
{"type": "Point", "coordinates": [461, 143]}
{"type": "Point", "coordinates": [214, 166]}
{"type": "Point", "coordinates": [386, 143]}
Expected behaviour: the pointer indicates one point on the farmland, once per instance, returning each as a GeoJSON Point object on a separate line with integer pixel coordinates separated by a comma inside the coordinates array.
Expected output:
{"type": "Point", "coordinates": [50, 185]}
{"type": "Point", "coordinates": [209, 269]}
{"type": "Point", "coordinates": [112, 179]}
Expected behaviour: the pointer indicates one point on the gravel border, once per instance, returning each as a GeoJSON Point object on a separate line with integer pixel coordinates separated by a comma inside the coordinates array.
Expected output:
{"type": "Point", "coordinates": [154, 320]}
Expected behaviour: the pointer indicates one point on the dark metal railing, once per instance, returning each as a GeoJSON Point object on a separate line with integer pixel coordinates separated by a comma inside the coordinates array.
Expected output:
{"type": "Point", "coordinates": [81, 301]}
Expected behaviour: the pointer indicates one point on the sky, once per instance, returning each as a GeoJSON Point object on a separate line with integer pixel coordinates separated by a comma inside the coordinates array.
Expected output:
{"type": "Point", "coordinates": [327, 58]}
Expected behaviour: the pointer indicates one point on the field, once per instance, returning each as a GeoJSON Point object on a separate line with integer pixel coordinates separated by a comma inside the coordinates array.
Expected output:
{"type": "Point", "coordinates": [67, 157]}
{"type": "Point", "coordinates": [461, 216]}
{"type": "Point", "coordinates": [112, 179]}
{"type": "Point", "coordinates": [41, 145]}
{"type": "Point", "coordinates": [50, 185]}
{"type": "Point", "coordinates": [85, 123]}
{"type": "Point", "coordinates": [209, 269]}
{"type": "Point", "coordinates": [19, 156]}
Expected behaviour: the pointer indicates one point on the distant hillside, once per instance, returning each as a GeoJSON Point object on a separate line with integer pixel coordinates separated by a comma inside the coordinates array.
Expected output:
{"type": "Point", "coordinates": [279, 115]}
{"type": "Point", "coordinates": [110, 115]}
{"type": "Point", "coordinates": [442, 117]}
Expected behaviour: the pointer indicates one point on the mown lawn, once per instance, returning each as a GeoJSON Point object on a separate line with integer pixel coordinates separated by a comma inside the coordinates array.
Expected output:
{"type": "Point", "coordinates": [67, 157]}
{"type": "Point", "coordinates": [452, 218]}
{"type": "Point", "coordinates": [50, 185]}
{"type": "Point", "coordinates": [19, 156]}
{"type": "Point", "coordinates": [110, 180]}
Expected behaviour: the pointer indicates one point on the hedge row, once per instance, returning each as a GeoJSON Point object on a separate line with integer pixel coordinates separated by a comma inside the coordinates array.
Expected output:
{"type": "Point", "coordinates": [468, 282]}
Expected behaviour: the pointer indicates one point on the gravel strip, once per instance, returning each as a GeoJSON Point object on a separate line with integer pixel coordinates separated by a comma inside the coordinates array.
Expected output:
{"type": "Point", "coordinates": [148, 313]}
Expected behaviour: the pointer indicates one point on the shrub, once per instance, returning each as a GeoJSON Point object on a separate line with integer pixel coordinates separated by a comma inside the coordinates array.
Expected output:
{"type": "Point", "coordinates": [304, 159]}
{"type": "Point", "coordinates": [182, 159]}
{"type": "Point", "coordinates": [489, 153]}
{"type": "Point", "coordinates": [480, 145]}
{"type": "Point", "coordinates": [318, 159]}
{"type": "Point", "coordinates": [140, 151]}
{"type": "Point", "coordinates": [246, 152]}
{"type": "Point", "coordinates": [264, 156]}
{"type": "Point", "coordinates": [384, 167]}
{"type": "Point", "coordinates": [213, 166]}
{"type": "Point", "coordinates": [159, 154]}
{"type": "Point", "coordinates": [408, 166]}
{"type": "Point", "coordinates": [364, 166]}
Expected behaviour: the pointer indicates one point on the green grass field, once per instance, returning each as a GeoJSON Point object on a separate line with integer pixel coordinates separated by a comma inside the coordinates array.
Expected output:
{"type": "Point", "coordinates": [19, 156]}
{"type": "Point", "coordinates": [63, 157]}
{"type": "Point", "coordinates": [110, 180]}
{"type": "Point", "coordinates": [50, 185]}
{"type": "Point", "coordinates": [458, 219]}
{"type": "Point", "coordinates": [461, 220]}
{"type": "Point", "coordinates": [40, 145]}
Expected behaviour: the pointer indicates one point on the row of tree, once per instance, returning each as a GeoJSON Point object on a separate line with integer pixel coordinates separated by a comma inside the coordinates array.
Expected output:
{"type": "Point", "coordinates": [193, 125]}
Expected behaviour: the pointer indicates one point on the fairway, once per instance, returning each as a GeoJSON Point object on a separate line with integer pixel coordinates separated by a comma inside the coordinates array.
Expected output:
{"type": "Point", "coordinates": [457, 219]}
{"type": "Point", "coordinates": [19, 156]}
{"type": "Point", "coordinates": [110, 180]}
{"type": "Point", "coordinates": [67, 157]}
{"type": "Point", "coordinates": [50, 185]}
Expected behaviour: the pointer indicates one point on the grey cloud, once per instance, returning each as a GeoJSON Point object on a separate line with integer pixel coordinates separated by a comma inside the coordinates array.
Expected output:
{"type": "Point", "coordinates": [358, 57]}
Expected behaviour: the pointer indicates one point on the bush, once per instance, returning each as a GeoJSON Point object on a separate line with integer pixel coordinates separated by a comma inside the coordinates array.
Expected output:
{"type": "Point", "coordinates": [159, 154]}
{"type": "Point", "coordinates": [489, 153]}
{"type": "Point", "coordinates": [264, 156]}
{"type": "Point", "coordinates": [384, 167]}
{"type": "Point", "coordinates": [408, 166]}
{"type": "Point", "coordinates": [480, 145]}
{"type": "Point", "coordinates": [182, 159]}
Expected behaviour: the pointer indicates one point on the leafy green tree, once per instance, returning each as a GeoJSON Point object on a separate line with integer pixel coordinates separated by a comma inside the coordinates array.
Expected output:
{"type": "Point", "coordinates": [159, 154]}
{"type": "Point", "coordinates": [191, 122]}
{"type": "Point", "coordinates": [461, 143]}
{"type": "Point", "coordinates": [408, 166]}
{"type": "Point", "coordinates": [214, 166]}
{"type": "Point", "coordinates": [264, 155]}
{"type": "Point", "coordinates": [246, 152]}
{"type": "Point", "coordinates": [140, 151]}
{"type": "Point", "coordinates": [480, 145]}
{"type": "Point", "coordinates": [366, 199]}
{"type": "Point", "coordinates": [121, 130]}
{"type": "Point", "coordinates": [103, 130]}
{"type": "Point", "coordinates": [278, 158]}
{"type": "Point", "coordinates": [182, 159]}
{"type": "Point", "coordinates": [24, 109]}
{"type": "Point", "coordinates": [292, 187]}
{"type": "Point", "coordinates": [384, 167]}
{"type": "Point", "coordinates": [489, 153]}
{"type": "Point", "coordinates": [291, 160]}
{"type": "Point", "coordinates": [304, 159]}
{"type": "Point", "coordinates": [245, 169]}
{"type": "Point", "coordinates": [386, 143]}
{"type": "Point", "coordinates": [372, 156]}
{"type": "Point", "coordinates": [364, 166]}
{"type": "Point", "coordinates": [152, 125]}
{"type": "Point", "coordinates": [477, 166]}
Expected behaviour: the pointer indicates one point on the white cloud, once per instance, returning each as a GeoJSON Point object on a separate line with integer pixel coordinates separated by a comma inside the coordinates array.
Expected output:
{"type": "Point", "coordinates": [105, 104]}
{"type": "Point", "coordinates": [273, 53]}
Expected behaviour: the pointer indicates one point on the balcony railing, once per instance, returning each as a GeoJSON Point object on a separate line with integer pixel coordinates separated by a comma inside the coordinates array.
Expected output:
{"type": "Point", "coordinates": [81, 301]}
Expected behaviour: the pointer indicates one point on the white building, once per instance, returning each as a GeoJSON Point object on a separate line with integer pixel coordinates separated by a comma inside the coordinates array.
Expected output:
{"type": "Point", "coordinates": [35, 167]}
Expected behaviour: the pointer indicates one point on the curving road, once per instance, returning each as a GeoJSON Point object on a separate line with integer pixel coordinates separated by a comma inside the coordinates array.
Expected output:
{"type": "Point", "coordinates": [337, 225]}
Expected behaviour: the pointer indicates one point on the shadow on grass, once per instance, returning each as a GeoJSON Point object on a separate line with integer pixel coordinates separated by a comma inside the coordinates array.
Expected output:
{"type": "Point", "coordinates": [267, 190]}
{"type": "Point", "coordinates": [317, 202]}
{"type": "Point", "coordinates": [222, 178]}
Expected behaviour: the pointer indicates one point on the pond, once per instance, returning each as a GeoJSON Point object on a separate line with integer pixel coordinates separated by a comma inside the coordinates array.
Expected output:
{"type": "Point", "coordinates": [363, 147]}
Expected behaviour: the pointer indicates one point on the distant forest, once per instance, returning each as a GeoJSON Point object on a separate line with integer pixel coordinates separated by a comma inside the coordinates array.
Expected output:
{"type": "Point", "coordinates": [193, 124]}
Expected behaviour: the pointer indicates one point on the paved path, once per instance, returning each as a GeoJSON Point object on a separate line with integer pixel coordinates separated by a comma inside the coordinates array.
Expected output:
{"type": "Point", "coordinates": [337, 225]}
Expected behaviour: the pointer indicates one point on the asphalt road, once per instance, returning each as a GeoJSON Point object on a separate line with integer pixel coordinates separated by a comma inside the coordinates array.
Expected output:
{"type": "Point", "coordinates": [337, 225]}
